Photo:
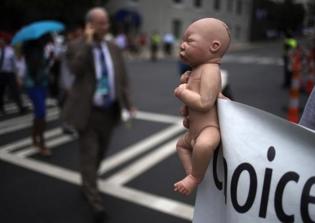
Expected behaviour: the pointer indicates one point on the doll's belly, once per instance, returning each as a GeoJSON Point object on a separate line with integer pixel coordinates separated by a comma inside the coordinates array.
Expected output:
{"type": "Point", "coordinates": [200, 120]}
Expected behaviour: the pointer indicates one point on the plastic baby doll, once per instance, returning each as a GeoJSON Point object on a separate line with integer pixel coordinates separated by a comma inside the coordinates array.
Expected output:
{"type": "Point", "coordinates": [203, 45]}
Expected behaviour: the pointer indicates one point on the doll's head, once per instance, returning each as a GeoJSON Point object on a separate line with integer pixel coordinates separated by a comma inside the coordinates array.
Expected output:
{"type": "Point", "coordinates": [204, 41]}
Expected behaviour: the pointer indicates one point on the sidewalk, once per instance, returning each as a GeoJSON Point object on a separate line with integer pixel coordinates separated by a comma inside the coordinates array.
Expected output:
{"type": "Point", "coordinates": [235, 46]}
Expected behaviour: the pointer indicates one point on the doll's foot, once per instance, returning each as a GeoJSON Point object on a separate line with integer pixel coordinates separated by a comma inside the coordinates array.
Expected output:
{"type": "Point", "coordinates": [186, 185]}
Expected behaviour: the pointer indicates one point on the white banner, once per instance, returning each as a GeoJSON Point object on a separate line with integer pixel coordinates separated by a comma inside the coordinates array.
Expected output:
{"type": "Point", "coordinates": [266, 172]}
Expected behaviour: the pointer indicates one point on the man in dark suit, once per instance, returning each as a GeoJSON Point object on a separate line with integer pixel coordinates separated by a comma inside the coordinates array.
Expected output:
{"type": "Point", "coordinates": [98, 94]}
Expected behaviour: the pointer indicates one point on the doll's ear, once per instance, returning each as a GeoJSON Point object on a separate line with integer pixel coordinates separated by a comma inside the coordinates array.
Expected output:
{"type": "Point", "coordinates": [215, 46]}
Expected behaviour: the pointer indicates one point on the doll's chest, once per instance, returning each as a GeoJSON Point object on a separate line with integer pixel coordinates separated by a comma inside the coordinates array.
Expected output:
{"type": "Point", "coordinates": [194, 82]}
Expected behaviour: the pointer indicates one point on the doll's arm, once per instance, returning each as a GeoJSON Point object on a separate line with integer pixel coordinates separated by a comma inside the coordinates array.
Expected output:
{"type": "Point", "coordinates": [209, 90]}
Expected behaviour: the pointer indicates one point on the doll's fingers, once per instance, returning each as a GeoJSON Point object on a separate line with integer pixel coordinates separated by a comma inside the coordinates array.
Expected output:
{"type": "Point", "coordinates": [187, 72]}
{"type": "Point", "coordinates": [183, 111]}
{"type": "Point", "coordinates": [186, 123]}
{"type": "Point", "coordinates": [184, 78]}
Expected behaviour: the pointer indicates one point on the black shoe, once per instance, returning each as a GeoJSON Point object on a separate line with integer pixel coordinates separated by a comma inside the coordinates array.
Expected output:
{"type": "Point", "coordinates": [99, 216]}
{"type": "Point", "coordinates": [98, 210]}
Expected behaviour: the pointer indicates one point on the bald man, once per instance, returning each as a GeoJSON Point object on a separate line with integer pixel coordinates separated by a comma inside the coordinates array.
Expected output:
{"type": "Point", "coordinates": [98, 94]}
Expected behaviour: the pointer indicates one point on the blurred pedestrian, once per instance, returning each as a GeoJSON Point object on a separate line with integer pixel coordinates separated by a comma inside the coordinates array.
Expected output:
{"type": "Point", "coordinates": [142, 40]}
{"type": "Point", "coordinates": [308, 116]}
{"type": "Point", "coordinates": [121, 40]}
{"type": "Point", "coordinates": [8, 77]}
{"type": "Point", "coordinates": [289, 45]}
{"type": "Point", "coordinates": [168, 43]}
{"type": "Point", "coordinates": [66, 77]}
{"type": "Point", "coordinates": [155, 42]}
{"type": "Point", "coordinates": [36, 82]}
{"type": "Point", "coordinates": [98, 94]}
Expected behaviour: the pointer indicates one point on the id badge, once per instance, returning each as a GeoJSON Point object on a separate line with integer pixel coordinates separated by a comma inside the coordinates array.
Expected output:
{"type": "Point", "coordinates": [102, 86]}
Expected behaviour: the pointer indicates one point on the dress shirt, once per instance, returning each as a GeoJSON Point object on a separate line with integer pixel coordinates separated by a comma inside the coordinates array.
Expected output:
{"type": "Point", "coordinates": [98, 99]}
{"type": "Point", "coordinates": [8, 60]}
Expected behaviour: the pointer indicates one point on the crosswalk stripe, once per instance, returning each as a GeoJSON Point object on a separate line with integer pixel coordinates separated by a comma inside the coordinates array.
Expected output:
{"type": "Point", "coordinates": [28, 141]}
{"type": "Point", "coordinates": [11, 107]}
{"type": "Point", "coordinates": [113, 187]}
{"type": "Point", "coordinates": [158, 203]}
{"type": "Point", "coordinates": [138, 148]}
{"type": "Point", "coordinates": [19, 123]}
{"type": "Point", "coordinates": [152, 201]}
{"type": "Point", "coordinates": [140, 166]}
{"type": "Point", "coordinates": [153, 117]}
{"type": "Point", "coordinates": [29, 151]}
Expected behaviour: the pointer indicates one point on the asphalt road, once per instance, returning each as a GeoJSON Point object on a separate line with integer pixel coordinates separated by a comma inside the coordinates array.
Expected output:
{"type": "Point", "coordinates": [141, 166]}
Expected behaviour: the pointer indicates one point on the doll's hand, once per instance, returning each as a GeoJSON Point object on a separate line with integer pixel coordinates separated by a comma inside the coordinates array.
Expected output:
{"type": "Point", "coordinates": [186, 122]}
{"type": "Point", "coordinates": [184, 112]}
{"type": "Point", "coordinates": [184, 77]}
{"type": "Point", "coordinates": [178, 91]}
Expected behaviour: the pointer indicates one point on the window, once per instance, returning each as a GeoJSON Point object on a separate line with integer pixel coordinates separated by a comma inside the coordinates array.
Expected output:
{"type": "Point", "coordinates": [177, 28]}
{"type": "Point", "coordinates": [217, 4]}
{"type": "Point", "coordinates": [198, 3]}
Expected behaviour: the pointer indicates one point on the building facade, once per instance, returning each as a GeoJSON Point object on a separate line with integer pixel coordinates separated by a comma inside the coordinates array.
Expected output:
{"type": "Point", "coordinates": [173, 16]}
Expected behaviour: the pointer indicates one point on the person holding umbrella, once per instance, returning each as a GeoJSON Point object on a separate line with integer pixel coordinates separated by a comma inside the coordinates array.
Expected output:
{"type": "Point", "coordinates": [33, 39]}
{"type": "Point", "coordinates": [35, 81]}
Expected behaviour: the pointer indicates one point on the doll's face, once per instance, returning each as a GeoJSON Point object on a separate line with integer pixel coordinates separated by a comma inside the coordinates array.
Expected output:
{"type": "Point", "coordinates": [194, 46]}
{"type": "Point", "coordinates": [204, 41]}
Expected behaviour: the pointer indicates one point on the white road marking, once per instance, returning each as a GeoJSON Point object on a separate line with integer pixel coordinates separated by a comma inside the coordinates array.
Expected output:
{"type": "Point", "coordinates": [28, 141]}
{"type": "Point", "coordinates": [137, 168]}
{"type": "Point", "coordinates": [153, 117]}
{"type": "Point", "coordinates": [29, 151]}
{"type": "Point", "coordinates": [148, 200]}
{"type": "Point", "coordinates": [11, 107]}
{"type": "Point", "coordinates": [26, 121]}
{"type": "Point", "coordinates": [42, 167]}
{"type": "Point", "coordinates": [138, 148]}
{"type": "Point", "coordinates": [112, 186]}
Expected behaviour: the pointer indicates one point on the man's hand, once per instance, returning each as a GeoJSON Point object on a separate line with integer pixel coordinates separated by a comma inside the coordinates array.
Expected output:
{"type": "Point", "coordinates": [88, 33]}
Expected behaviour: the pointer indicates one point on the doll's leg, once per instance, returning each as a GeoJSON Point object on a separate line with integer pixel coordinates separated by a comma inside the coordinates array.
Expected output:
{"type": "Point", "coordinates": [205, 144]}
{"type": "Point", "coordinates": [184, 151]}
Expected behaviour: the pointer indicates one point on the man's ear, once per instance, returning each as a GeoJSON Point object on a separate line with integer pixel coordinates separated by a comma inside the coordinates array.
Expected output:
{"type": "Point", "coordinates": [215, 46]}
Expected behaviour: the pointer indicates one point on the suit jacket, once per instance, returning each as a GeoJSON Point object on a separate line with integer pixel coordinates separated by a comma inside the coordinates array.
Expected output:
{"type": "Point", "coordinates": [78, 105]}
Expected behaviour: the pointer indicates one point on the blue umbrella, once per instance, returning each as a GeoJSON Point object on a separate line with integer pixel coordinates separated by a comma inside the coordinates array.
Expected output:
{"type": "Point", "coordinates": [35, 30]}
